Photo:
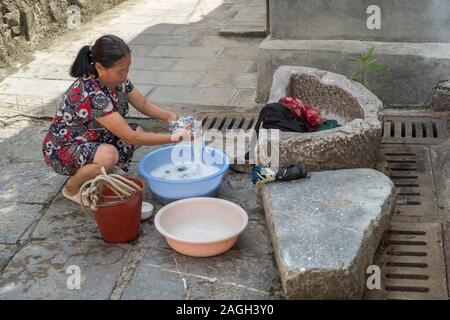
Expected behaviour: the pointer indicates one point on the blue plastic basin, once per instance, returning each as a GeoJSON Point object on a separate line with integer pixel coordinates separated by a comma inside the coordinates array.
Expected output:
{"type": "Point", "coordinates": [166, 191]}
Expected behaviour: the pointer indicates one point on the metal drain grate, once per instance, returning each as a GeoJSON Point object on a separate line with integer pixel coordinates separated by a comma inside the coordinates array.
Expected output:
{"type": "Point", "coordinates": [230, 121]}
{"type": "Point", "coordinates": [412, 263]}
{"type": "Point", "coordinates": [410, 168]}
{"type": "Point", "coordinates": [413, 130]}
{"type": "Point", "coordinates": [411, 254]}
{"type": "Point", "coordinates": [243, 123]}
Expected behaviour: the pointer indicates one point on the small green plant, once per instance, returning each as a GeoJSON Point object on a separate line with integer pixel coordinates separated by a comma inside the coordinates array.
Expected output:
{"type": "Point", "coordinates": [366, 65]}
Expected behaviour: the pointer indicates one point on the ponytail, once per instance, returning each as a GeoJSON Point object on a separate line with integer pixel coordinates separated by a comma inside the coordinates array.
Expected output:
{"type": "Point", "coordinates": [107, 50]}
{"type": "Point", "coordinates": [83, 64]}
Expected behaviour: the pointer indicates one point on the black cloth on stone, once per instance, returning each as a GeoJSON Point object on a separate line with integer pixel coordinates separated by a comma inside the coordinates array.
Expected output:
{"type": "Point", "coordinates": [277, 116]}
{"type": "Point", "coordinates": [291, 172]}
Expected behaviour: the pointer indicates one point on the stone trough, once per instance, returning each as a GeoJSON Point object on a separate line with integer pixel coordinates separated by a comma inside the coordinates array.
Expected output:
{"type": "Point", "coordinates": [357, 110]}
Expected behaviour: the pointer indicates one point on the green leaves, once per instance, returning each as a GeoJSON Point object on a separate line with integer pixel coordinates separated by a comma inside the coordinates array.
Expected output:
{"type": "Point", "coordinates": [366, 64]}
{"type": "Point", "coordinates": [368, 54]}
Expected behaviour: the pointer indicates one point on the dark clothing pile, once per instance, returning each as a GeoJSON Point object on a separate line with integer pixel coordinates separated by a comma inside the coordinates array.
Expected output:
{"type": "Point", "coordinates": [294, 118]}
{"type": "Point", "coordinates": [277, 116]}
{"type": "Point", "coordinates": [290, 114]}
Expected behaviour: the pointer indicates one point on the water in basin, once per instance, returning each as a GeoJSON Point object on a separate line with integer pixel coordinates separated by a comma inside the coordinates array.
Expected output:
{"type": "Point", "coordinates": [202, 231]}
{"type": "Point", "coordinates": [190, 170]}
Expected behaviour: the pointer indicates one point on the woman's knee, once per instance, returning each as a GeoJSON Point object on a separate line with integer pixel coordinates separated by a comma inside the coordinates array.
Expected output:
{"type": "Point", "coordinates": [106, 156]}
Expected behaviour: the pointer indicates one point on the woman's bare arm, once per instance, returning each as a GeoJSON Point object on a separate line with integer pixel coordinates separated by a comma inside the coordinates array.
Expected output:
{"type": "Point", "coordinates": [120, 128]}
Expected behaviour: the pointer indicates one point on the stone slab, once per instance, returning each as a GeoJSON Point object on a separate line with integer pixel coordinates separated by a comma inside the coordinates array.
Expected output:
{"type": "Point", "coordinates": [37, 87]}
{"type": "Point", "coordinates": [160, 29]}
{"type": "Point", "coordinates": [249, 21]}
{"type": "Point", "coordinates": [181, 277]}
{"type": "Point", "coordinates": [219, 79]}
{"type": "Point", "coordinates": [6, 253]}
{"type": "Point", "coordinates": [16, 219]}
{"type": "Point", "coordinates": [164, 78]}
{"type": "Point", "coordinates": [171, 40]}
{"type": "Point", "coordinates": [247, 53]}
{"type": "Point", "coordinates": [38, 271]}
{"type": "Point", "coordinates": [140, 51]}
{"type": "Point", "coordinates": [248, 271]}
{"type": "Point", "coordinates": [38, 106]}
{"type": "Point", "coordinates": [147, 63]}
{"type": "Point", "coordinates": [186, 52]}
{"type": "Point", "coordinates": [238, 188]}
{"type": "Point", "coordinates": [207, 64]}
{"type": "Point", "coordinates": [31, 182]}
{"type": "Point", "coordinates": [325, 230]}
{"type": "Point", "coordinates": [156, 278]}
{"type": "Point", "coordinates": [19, 141]}
{"type": "Point", "coordinates": [217, 41]}
{"type": "Point", "coordinates": [65, 221]}
{"type": "Point", "coordinates": [193, 95]}
{"type": "Point", "coordinates": [204, 289]}
{"type": "Point", "coordinates": [244, 98]}
{"type": "Point", "coordinates": [44, 70]}
{"type": "Point", "coordinates": [244, 29]}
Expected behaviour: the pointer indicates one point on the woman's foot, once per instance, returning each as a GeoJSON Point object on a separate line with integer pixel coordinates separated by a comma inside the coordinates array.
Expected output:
{"type": "Point", "coordinates": [72, 192]}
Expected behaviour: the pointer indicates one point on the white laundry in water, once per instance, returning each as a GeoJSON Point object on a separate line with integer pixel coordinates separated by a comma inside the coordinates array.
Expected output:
{"type": "Point", "coordinates": [184, 171]}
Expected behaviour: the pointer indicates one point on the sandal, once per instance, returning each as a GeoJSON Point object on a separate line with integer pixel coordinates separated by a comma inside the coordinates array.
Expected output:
{"type": "Point", "coordinates": [75, 198]}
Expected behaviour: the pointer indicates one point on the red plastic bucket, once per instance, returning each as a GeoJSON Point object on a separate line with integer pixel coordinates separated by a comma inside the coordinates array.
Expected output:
{"type": "Point", "coordinates": [119, 221]}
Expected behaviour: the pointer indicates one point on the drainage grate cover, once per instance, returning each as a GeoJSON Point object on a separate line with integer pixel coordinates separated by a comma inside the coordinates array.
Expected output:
{"type": "Point", "coordinates": [410, 168]}
{"type": "Point", "coordinates": [412, 263]}
{"type": "Point", "coordinates": [243, 123]}
{"type": "Point", "coordinates": [228, 121]}
{"type": "Point", "coordinates": [411, 253]}
{"type": "Point", "coordinates": [414, 130]}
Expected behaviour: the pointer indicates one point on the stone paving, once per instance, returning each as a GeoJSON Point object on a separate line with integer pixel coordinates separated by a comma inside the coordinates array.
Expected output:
{"type": "Point", "coordinates": [179, 58]}
{"type": "Point", "coordinates": [42, 234]}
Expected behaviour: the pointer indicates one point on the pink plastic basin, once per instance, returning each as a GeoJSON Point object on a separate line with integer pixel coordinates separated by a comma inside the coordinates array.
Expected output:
{"type": "Point", "coordinates": [201, 227]}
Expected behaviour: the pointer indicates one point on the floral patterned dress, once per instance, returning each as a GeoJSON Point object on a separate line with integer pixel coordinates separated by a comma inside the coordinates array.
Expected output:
{"type": "Point", "coordinates": [75, 135]}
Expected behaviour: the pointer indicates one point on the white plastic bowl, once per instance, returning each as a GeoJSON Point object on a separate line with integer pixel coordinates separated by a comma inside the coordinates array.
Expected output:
{"type": "Point", "coordinates": [201, 227]}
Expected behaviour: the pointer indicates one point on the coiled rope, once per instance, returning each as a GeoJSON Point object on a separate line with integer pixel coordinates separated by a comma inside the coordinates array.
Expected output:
{"type": "Point", "coordinates": [90, 191]}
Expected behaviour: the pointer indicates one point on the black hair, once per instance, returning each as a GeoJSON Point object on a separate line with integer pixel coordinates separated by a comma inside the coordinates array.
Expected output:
{"type": "Point", "coordinates": [107, 50]}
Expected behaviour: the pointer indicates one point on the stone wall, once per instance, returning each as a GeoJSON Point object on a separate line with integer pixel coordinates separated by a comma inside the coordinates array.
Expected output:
{"type": "Point", "coordinates": [400, 20]}
{"type": "Point", "coordinates": [410, 36]}
{"type": "Point", "coordinates": [27, 23]}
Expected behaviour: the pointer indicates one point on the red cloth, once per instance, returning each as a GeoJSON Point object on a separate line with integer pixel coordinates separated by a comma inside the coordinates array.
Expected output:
{"type": "Point", "coordinates": [303, 111]}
